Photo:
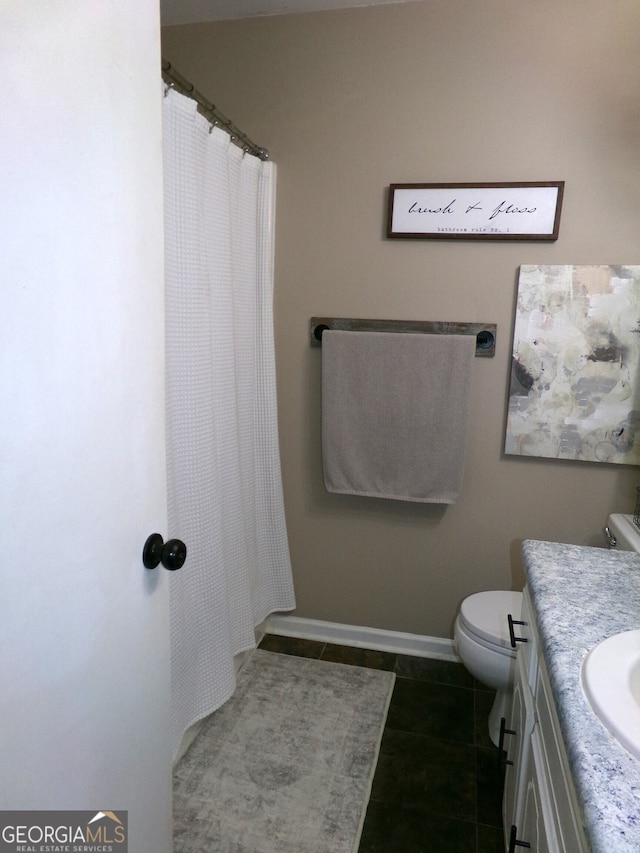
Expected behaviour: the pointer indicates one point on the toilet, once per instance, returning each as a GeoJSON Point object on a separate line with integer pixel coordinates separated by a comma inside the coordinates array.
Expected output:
{"type": "Point", "coordinates": [482, 641]}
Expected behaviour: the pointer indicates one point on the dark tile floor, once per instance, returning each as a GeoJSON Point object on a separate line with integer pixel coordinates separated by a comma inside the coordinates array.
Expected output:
{"type": "Point", "coordinates": [437, 786]}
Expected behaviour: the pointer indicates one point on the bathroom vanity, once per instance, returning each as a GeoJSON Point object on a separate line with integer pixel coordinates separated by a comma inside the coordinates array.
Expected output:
{"type": "Point", "coordinates": [569, 786]}
{"type": "Point", "coordinates": [540, 805]}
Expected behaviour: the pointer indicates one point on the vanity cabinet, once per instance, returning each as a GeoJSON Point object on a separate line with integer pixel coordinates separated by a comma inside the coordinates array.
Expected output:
{"type": "Point", "coordinates": [539, 807]}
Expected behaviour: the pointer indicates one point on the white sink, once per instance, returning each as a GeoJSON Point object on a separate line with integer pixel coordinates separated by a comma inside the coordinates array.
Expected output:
{"type": "Point", "coordinates": [611, 682]}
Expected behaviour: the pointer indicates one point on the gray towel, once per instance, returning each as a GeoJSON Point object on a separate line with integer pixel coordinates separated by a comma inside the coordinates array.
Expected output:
{"type": "Point", "coordinates": [394, 414]}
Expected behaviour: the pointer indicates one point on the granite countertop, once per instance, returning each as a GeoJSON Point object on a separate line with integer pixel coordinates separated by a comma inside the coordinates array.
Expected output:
{"type": "Point", "coordinates": [580, 596]}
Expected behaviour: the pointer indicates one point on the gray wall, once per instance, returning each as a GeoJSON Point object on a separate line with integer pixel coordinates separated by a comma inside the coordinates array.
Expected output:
{"type": "Point", "coordinates": [350, 101]}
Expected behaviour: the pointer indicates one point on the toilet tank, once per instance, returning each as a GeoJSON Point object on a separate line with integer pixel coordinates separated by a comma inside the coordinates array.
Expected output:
{"type": "Point", "coordinates": [622, 533]}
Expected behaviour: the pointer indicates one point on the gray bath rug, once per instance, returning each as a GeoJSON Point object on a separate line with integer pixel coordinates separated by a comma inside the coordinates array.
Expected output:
{"type": "Point", "coordinates": [286, 765]}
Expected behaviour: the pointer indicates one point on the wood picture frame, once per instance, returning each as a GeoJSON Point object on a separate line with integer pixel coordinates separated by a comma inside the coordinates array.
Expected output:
{"type": "Point", "coordinates": [476, 211]}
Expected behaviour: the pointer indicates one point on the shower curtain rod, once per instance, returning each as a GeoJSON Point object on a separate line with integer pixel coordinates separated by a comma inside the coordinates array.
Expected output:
{"type": "Point", "coordinates": [172, 78]}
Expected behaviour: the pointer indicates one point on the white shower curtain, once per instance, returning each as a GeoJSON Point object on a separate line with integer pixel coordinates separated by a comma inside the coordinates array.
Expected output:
{"type": "Point", "coordinates": [224, 482]}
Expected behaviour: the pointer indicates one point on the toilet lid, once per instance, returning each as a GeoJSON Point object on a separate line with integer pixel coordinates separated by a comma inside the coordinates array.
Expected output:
{"type": "Point", "coordinates": [485, 614]}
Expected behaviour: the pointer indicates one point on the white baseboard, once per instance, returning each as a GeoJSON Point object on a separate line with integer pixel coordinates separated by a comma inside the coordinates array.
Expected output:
{"type": "Point", "coordinates": [361, 637]}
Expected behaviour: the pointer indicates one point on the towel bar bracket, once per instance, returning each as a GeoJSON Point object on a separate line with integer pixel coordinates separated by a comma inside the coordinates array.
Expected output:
{"type": "Point", "coordinates": [485, 333]}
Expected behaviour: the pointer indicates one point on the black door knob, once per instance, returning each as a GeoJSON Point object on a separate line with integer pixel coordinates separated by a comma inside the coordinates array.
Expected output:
{"type": "Point", "coordinates": [171, 554]}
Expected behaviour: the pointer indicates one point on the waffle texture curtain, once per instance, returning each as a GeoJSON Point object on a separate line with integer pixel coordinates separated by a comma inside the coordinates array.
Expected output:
{"type": "Point", "coordinates": [224, 481]}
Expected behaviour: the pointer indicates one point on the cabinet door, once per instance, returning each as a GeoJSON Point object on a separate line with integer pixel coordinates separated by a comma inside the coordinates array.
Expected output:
{"type": "Point", "coordinates": [536, 824]}
{"type": "Point", "coordinates": [517, 745]}
{"type": "Point", "coordinates": [539, 799]}
{"type": "Point", "coordinates": [561, 789]}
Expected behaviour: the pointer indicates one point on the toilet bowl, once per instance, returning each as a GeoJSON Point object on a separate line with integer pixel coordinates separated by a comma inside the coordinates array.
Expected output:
{"type": "Point", "coordinates": [482, 642]}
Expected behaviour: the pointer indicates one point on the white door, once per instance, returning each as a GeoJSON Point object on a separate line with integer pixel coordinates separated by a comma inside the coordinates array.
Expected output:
{"type": "Point", "coordinates": [84, 646]}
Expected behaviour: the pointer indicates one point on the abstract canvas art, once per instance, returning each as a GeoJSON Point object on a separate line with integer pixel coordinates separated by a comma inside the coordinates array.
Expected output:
{"type": "Point", "coordinates": [575, 374]}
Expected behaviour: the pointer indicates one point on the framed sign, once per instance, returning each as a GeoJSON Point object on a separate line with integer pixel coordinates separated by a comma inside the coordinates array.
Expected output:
{"type": "Point", "coordinates": [512, 211]}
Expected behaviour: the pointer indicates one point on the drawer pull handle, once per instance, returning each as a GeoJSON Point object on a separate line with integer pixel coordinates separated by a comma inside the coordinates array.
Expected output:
{"type": "Point", "coordinates": [515, 639]}
{"type": "Point", "coordinates": [504, 731]}
{"type": "Point", "coordinates": [513, 841]}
